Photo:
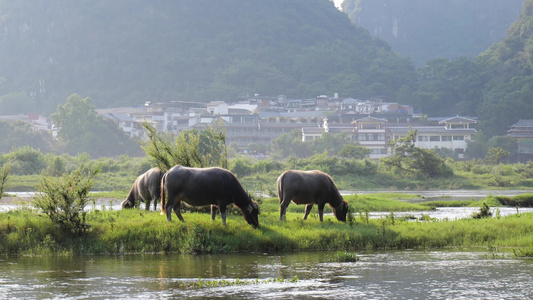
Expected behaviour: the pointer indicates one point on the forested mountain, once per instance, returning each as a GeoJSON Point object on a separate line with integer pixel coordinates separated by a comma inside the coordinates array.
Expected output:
{"type": "Point", "coordinates": [496, 86]}
{"type": "Point", "coordinates": [428, 29]}
{"type": "Point", "coordinates": [125, 52]}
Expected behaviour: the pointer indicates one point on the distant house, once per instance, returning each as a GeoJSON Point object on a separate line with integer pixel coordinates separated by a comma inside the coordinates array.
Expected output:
{"type": "Point", "coordinates": [125, 122]}
{"type": "Point", "coordinates": [522, 131]}
{"type": "Point", "coordinates": [371, 133]}
{"type": "Point", "coordinates": [452, 133]}
{"type": "Point", "coordinates": [37, 121]}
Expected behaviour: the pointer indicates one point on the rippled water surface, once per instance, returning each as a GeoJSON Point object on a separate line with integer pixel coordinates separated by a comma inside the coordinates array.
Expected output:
{"type": "Point", "coordinates": [378, 275]}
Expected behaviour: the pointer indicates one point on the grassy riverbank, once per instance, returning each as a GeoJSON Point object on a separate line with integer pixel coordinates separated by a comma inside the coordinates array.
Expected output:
{"type": "Point", "coordinates": [25, 232]}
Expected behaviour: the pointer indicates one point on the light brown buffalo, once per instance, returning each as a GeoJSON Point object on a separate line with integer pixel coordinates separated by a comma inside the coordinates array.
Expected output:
{"type": "Point", "coordinates": [146, 188]}
{"type": "Point", "coordinates": [310, 187]}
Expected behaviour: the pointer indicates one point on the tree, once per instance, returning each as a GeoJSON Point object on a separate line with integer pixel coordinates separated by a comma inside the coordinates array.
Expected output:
{"type": "Point", "coordinates": [74, 117]}
{"type": "Point", "coordinates": [20, 134]}
{"type": "Point", "coordinates": [288, 144]}
{"type": "Point", "coordinates": [81, 129]}
{"type": "Point", "coordinates": [26, 161]}
{"type": "Point", "coordinates": [409, 158]}
{"type": "Point", "coordinates": [354, 151]}
{"type": "Point", "coordinates": [496, 155]}
{"type": "Point", "coordinates": [189, 148]}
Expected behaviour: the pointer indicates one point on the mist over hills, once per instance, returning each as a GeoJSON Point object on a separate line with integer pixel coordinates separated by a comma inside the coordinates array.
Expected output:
{"type": "Point", "coordinates": [428, 29]}
{"type": "Point", "coordinates": [125, 52]}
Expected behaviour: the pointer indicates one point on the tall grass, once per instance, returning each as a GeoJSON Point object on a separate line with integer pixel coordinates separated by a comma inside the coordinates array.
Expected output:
{"type": "Point", "coordinates": [24, 232]}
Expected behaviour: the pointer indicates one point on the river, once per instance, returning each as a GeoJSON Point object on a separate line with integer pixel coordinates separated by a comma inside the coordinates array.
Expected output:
{"type": "Point", "coordinates": [408, 274]}
{"type": "Point", "coordinates": [450, 213]}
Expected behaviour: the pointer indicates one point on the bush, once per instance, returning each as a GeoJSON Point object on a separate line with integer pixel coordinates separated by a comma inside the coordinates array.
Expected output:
{"type": "Point", "coordinates": [63, 199]}
{"type": "Point", "coordinates": [4, 172]}
{"type": "Point", "coordinates": [26, 161]}
{"type": "Point", "coordinates": [524, 200]}
{"type": "Point", "coordinates": [484, 212]}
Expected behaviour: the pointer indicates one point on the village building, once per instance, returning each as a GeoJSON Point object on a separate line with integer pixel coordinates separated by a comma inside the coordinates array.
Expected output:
{"type": "Point", "coordinates": [522, 131]}
{"type": "Point", "coordinates": [369, 123]}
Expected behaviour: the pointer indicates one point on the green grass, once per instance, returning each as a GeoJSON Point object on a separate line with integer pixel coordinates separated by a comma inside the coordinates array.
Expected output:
{"type": "Point", "coordinates": [383, 202]}
{"type": "Point", "coordinates": [23, 232]}
{"type": "Point", "coordinates": [358, 203]}
{"type": "Point", "coordinates": [26, 232]}
{"type": "Point", "coordinates": [491, 201]}
{"type": "Point", "coordinates": [344, 256]}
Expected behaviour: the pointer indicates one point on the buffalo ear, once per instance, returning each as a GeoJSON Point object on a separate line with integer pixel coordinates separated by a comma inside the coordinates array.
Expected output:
{"type": "Point", "coordinates": [252, 206]}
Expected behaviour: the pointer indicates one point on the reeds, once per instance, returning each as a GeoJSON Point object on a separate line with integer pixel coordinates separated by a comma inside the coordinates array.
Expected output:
{"type": "Point", "coordinates": [24, 232]}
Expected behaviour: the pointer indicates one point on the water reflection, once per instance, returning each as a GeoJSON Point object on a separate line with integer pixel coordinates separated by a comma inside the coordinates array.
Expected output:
{"type": "Point", "coordinates": [452, 213]}
{"type": "Point", "coordinates": [379, 275]}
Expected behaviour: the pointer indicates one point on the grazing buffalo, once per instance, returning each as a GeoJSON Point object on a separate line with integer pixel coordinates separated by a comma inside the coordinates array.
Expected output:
{"type": "Point", "coordinates": [206, 186]}
{"type": "Point", "coordinates": [310, 187]}
{"type": "Point", "coordinates": [146, 188]}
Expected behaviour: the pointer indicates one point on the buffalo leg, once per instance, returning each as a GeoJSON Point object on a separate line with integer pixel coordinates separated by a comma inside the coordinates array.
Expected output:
{"type": "Point", "coordinates": [222, 209]}
{"type": "Point", "coordinates": [308, 208]}
{"type": "Point", "coordinates": [177, 210]}
{"type": "Point", "coordinates": [147, 204]}
{"type": "Point", "coordinates": [321, 212]}
{"type": "Point", "coordinates": [283, 207]}
{"type": "Point", "coordinates": [213, 212]}
{"type": "Point", "coordinates": [155, 204]}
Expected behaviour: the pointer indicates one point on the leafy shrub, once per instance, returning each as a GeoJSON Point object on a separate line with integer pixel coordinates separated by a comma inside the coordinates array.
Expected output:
{"type": "Point", "coordinates": [63, 199]}
{"type": "Point", "coordinates": [484, 212]}
{"type": "Point", "coordinates": [346, 257]}
{"type": "Point", "coordinates": [4, 172]}
{"type": "Point", "coordinates": [26, 161]}
{"type": "Point", "coordinates": [241, 167]}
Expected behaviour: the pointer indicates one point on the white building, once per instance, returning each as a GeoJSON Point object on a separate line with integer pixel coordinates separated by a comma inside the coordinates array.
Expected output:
{"type": "Point", "coordinates": [453, 134]}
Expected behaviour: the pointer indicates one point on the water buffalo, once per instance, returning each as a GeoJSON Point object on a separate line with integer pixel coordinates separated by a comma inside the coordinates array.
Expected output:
{"type": "Point", "coordinates": [310, 187]}
{"type": "Point", "coordinates": [146, 188]}
{"type": "Point", "coordinates": [206, 186]}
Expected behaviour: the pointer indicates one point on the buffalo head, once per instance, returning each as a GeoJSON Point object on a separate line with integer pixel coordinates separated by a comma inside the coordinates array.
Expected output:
{"type": "Point", "coordinates": [127, 204]}
{"type": "Point", "coordinates": [251, 214]}
{"type": "Point", "coordinates": [340, 211]}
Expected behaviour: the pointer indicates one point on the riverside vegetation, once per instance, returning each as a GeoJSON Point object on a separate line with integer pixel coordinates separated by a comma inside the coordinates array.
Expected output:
{"type": "Point", "coordinates": [26, 232]}
{"type": "Point", "coordinates": [51, 228]}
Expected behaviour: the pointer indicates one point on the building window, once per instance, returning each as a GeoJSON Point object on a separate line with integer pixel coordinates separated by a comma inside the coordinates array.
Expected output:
{"type": "Point", "coordinates": [362, 137]}
{"type": "Point", "coordinates": [458, 138]}
{"type": "Point", "coordinates": [434, 138]}
{"type": "Point", "coordinates": [422, 138]}
{"type": "Point", "coordinates": [369, 126]}
{"type": "Point", "coordinates": [446, 138]}
{"type": "Point", "coordinates": [459, 151]}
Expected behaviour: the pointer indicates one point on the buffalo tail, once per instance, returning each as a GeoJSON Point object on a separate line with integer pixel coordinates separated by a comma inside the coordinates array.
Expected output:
{"type": "Point", "coordinates": [163, 180]}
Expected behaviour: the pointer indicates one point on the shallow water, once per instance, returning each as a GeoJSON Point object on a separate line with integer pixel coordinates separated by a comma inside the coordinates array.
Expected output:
{"type": "Point", "coordinates": [381, 275]}
{"type": "Point", "coordinates": [451, 213]}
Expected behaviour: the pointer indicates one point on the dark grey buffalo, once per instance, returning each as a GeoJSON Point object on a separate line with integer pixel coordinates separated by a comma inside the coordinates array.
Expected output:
{"type": "Point", "coordinates": [206, 186]}
{"type": "Point", "coordinates": [146, 188]}
{"type": "Point", "coordinates": [310, 187]}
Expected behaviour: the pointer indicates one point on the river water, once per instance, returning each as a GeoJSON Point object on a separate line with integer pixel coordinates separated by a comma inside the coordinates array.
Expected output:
{"type": "Point", "coordinates": [435, 274]}
{"type": "Point", "coordinates": [441, 274]}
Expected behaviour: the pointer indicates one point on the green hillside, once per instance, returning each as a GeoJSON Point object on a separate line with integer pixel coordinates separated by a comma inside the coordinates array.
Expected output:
{"type": "Point", "coordinates": [126, 52]}
{"type": "Point", "coordinates": [496, 86]}
{"type": "Point", "coordinates": [428, 29]}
